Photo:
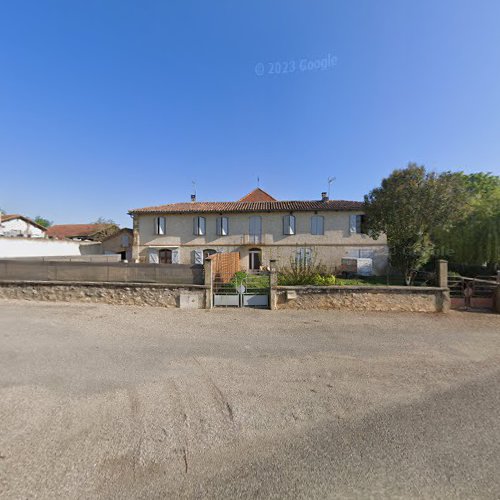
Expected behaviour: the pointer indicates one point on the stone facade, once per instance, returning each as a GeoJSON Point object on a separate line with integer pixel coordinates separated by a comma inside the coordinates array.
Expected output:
{"type": "Point", "coordinates": [404, 299]}
{"type": "Point", "coordinates": [132, 294]}
{"type": "Point", "coordinates": [328, 248]}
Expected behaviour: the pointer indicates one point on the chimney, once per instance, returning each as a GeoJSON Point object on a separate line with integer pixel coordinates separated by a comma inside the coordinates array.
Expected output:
{"type": "Point", "coordinates": [193, 198]}
{"type": "Point", "coordinates": [324, 196]}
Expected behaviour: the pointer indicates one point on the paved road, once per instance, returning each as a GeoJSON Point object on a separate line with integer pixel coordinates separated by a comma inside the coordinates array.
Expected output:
{"type": "Point", "coordinates": [119, 402]}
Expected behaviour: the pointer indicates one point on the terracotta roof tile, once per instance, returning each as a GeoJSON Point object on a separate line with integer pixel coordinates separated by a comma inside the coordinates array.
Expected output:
{"type": "Point", "coordinates": [74, 230]}
{"type": "Point", "coordinates": [258, 206]}
{"type": "Point", "coordinates": [257, 195]}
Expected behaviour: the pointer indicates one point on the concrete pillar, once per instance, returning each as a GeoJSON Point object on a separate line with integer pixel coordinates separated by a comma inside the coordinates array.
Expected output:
{"type": "Point", "coordinates": [209, 295]}
{"type": "Point", "coordinates": [442, 273]}
{"type": "Point", "coordinates": [273, 292]}
{"type": "Point", "coordinates": [136, 239]}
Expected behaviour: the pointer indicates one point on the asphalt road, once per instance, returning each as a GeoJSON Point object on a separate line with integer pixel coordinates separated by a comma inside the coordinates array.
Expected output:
{"type": "Point", "coordinates": [122, 402]}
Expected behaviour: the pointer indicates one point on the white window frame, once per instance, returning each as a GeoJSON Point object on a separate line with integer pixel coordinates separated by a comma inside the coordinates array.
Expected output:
{"type": "Point", "coordinates": [289, 225]}
{"type": "Point", "coordinates": [318, 225]}
{"type": "Point", "coordinates": [200, 226]}
{"type": "Point", "coordinates": [222, 226]}
{"type": "Point", "coordinates": [160, 226]}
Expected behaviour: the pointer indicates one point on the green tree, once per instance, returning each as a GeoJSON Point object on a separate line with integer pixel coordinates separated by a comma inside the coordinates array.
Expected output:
{"type": "Point", "coordinates": [475, 238]}
{"type": "Point", "coordinates": [42, 221]}
{"type": "Point", "coordinates": [408, 206]}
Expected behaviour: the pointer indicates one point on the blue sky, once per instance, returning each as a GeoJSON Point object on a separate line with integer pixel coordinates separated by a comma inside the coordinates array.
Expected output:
{"type": "Point", "coordinates": [109, 105]}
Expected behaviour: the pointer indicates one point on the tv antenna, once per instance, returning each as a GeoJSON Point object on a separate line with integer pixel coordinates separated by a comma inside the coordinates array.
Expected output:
{"type": "Point", "coordinates": [330, 180]}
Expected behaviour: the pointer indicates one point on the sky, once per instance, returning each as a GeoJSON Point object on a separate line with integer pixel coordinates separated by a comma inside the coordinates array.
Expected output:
{"type": "Point", "coordinates": [109, 105]}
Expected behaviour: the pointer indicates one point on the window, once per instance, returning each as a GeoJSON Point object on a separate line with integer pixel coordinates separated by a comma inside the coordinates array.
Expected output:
{"type": "Point", "coordinates": [303, 257]}
{"type": "Point", "coordinates": [125, 240]}
{"type": "Point", "coordinates": [199, 224]}
{"type": "Point", "coordinates": [222, 226]}
{"type": "Point", "coordinates": [317, 224]}
{"type": "Point", "coordinates": [160, 225]}
{"type": "Point", "coordinates": [255, 226]}
{"type": "Point", "coordinates": [357, 224]}
{"type": "Point", "coordinates": [255, 230]}
{"type": "Point", "coordinates": [289, 224]}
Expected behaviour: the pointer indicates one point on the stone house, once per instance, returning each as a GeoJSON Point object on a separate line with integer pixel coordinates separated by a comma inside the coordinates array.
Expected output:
{"type": "Point", "coordinates": [119, 242]}
{"type": "Point", "coordinates": [258, 227]}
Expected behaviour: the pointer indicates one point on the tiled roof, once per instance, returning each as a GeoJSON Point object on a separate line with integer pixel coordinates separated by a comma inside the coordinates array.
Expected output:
{"type": "Point", "coordinates": [257, 195]}
{"type": "Point", "coordinates": [74, 230]}
{"type": "Point", "coordinates": [259, 206]}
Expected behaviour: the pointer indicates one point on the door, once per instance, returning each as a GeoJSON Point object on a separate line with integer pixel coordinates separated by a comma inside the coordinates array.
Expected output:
{"type": "Point", "coordinates": [254, 259]}
{"type": "Point", "coordinates": [165, 256]}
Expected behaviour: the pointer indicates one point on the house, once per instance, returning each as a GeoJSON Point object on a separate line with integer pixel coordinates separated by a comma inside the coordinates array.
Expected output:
{"type": "Point", "coordinates": [258, 227]}
{"type": "Point", "coordinates": [119, 242]}
{"type": "Point", "coordinates": [16, 225]}
{"type": "Point", "coordinates": [81, 232]}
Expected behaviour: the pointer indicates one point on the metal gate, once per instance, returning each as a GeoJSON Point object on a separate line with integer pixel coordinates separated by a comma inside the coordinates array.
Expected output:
{"type": "Point", "coordinates": [242, 289]}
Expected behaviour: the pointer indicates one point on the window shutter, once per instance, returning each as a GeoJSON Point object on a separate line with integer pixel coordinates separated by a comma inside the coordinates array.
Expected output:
{"type": "Point", "coordinates": [153, 257]}
{"type": "Point", "coordinates": [163, 225]}
{"type": "Point", "coordinates": [225, 226]}
{"type": "Point", "coordinates": [198, 256]}
{"type": "Point", "coordinates": [202, 226]}
{"type": "Point", "coordinates": [175, 256]}
{"type": "Point", "coordinates": [352, 224]}
{"type": "Point", "coordinates": [218, 226]}
{"type": "Point", "coordinates": [307, 255]}
{"type": "Point", "coordinates": [292, 224]}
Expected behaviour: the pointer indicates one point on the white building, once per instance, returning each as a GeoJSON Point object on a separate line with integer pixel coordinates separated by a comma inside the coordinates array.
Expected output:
{"type": "Point", "coordinates": [20, 226]}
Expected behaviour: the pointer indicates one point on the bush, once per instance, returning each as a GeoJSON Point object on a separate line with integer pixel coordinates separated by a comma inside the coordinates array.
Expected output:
{"type": "Point", "coordinates": [305, 272]}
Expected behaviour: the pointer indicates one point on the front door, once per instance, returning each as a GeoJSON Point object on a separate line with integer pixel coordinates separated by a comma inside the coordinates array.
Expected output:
{"type": "Point", "coordinates": [254, 259]}
{"type": "Point", "coordinates": [165, 256]}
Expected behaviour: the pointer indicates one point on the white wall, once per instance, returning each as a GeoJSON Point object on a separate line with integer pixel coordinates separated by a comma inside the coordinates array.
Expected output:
{"type": "Point", "coordinates": [21, 226]}
{"type": "Point", "coordinates": [39, 247]}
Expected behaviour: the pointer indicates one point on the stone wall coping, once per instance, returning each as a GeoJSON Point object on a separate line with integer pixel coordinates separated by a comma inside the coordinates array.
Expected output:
{"type": "Point", "coordinates": [104, 284]}
{"type": "Point", "coordinates": [363, 288]}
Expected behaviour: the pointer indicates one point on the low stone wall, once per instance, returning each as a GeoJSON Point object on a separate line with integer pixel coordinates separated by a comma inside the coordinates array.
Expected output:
{"type": "Point", "coordinates": [137, 294]}
{"type": "Point", "coordinates": [363, 298]}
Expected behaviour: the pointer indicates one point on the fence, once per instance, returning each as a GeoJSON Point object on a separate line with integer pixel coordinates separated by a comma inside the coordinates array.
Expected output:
{"type": "Point", "coordinates": [483, 292]}
{"type": "Point", "coordinates": [101, 272]}
{"type": "Point", "coordinates": [224, 266]}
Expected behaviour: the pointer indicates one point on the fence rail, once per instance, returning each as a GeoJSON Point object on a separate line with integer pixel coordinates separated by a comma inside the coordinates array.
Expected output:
{"type": "Point", "coordinates": [101, 272]}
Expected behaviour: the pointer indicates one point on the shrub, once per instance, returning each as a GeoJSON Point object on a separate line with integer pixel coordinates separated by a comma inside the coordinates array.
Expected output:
{"type": "Point", "coordinates": [305, 272]}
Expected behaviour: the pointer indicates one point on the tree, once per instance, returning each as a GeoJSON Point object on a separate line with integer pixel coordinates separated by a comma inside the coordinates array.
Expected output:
{"type": "Point", "coordinates": [475, 238]}
{"type": "Point", "coordinates": [103, 220]}
{"type": "Point", "coordinates": [407, 207]}
{"type": "Point", "coordinates": [43, 222]}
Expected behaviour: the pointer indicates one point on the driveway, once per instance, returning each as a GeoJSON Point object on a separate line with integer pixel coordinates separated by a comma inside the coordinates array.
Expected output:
{"type": "Point", "coordinates": [120, 402]}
